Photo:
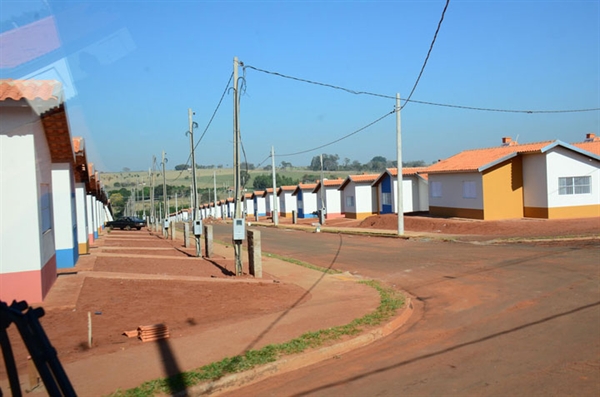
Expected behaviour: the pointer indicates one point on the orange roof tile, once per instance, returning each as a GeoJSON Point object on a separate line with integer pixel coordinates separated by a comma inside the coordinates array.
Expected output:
{"type": "Point", "coordinates": [473, 160]}
{"type": "Point", "coordinates": [303, 186]}
{"type": "Point", "coordinates": [329, 183]}
{"type": "Point", "coordinates": [362, 178]}
{"type": "Point", "coordinates": [44, 90]}
{"type": "Point", "coordinates": [258, 193]}
{"type": "Point", "coordinates": [592, 146]}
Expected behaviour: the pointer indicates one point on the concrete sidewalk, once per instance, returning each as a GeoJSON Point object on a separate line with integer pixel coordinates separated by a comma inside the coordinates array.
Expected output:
{"type": "Point", "coordinates": [334, 300]}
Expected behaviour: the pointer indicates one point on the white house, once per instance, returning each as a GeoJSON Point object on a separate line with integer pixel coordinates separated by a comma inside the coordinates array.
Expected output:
{"type": "Point", "coordinates": [306, 200]}
{"type": "Point", "coordinates": [260, 206]}
{"type": "Point", "coordinates": [414, 190]}
{"type": "Point", "coordinates": [287, 202]}
{"type": "Point", "coordinates": [268, 196]}
{"type": "Point", "coordinates": [549, 179]}
{"type": "Point", "coordinates": [27, 243]}
{"type": "Point", "coordinates": [247, 204]}
{"type": "Point", "coordinates": [330, 198]}
{"type": "Point", "coordinates": [359, 198]}
{"type": "Point", "coordinates": [81, 185]}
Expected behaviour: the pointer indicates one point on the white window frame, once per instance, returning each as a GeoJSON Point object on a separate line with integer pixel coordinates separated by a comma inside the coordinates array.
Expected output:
{"type": "Point", "coordinates": [469, 190]}
{"type": "Point", "coordinates": [436, 189]}
{"type": "Point", "coordinates": [570, 185]}
{"type": "Point", "coordinates": [349, 201]}
{"type": "Point", "coordinates": [386, 198]}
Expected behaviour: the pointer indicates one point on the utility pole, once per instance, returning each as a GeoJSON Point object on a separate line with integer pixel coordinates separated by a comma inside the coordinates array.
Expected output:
{"type": "Point", "coordinates": [237, 246]}
{"type": "Point", "coordinates": [151, 174]}
{"type": "Point", "coordinates": [215, 198]}
{"type": "Point", "coordinates": [274, 210]}
{"type": "Point", "coordinates": [400, 198]}
{"type": "Point", "coordinates": [164, 163]}
{"type": "Point", "coordinates": [323, 208]}
{"type": "Point", "coordinates": [194, 187]}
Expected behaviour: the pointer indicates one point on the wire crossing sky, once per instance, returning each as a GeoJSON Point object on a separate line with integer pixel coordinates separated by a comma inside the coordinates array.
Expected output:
{"type": "Point", "coordinates": [479, 71]}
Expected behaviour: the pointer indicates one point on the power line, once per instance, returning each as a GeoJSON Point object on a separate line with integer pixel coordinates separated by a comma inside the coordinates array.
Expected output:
{"type": "Point", "coordinates": [339, 139]}
{"type": "Point", "coordinates": [483, 109]}
{"type": "Point", "coordinates": [207, 126]}
{"type": "Point", "coordinates": [428, 54]}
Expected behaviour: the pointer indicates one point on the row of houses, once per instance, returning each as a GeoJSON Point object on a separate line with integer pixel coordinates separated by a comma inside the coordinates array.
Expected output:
{"type": "Point", "coordinates": [52, 204]}
{"type": "Point", "coordinates": [549, 180]}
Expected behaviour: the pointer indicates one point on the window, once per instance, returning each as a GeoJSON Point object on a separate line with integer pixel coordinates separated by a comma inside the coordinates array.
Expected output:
{"type": "Point", "coordinates": [349, 201]}
{"type": "Point", "coordinates": [436, 189]}
{"type": "Point", "coordinates": [469, 189]}
{"type": "Point", "coordinates": [574, 185]}
{"type": "Point", "coordinates": [46, 207]}
{"type": "Point", "coordinates": [386, 198]}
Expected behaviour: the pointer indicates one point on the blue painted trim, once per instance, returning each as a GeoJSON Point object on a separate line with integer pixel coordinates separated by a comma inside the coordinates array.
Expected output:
{"type": "Point", "coordinates": [65, 258]}
{"type": "Point", "coordinates": [96, 234]}
{"type": "Point", "coordinates": [307, 216]}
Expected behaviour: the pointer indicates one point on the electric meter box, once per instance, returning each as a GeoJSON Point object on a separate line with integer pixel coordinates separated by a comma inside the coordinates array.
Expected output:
{"type": "Point", "coordinates": [166, 223]}
{"type": "Point", "coordinates": [197, 227]}
{"type": "Point", "coordinates": [239, 229]}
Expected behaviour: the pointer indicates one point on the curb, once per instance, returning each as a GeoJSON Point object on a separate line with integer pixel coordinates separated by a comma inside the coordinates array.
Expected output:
{"type": "Point", "coordinates": [287, 364]}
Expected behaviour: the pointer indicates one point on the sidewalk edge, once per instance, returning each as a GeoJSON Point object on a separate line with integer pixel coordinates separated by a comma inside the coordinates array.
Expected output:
{"type": "Point", "coordinates": [287, 364]}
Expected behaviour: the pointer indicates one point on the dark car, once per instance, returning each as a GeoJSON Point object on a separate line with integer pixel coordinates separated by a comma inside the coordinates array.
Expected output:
{"type": "Point", "coordinates": [127, 222]}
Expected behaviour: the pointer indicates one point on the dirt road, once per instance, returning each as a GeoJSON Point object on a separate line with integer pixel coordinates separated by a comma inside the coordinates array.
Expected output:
{"type": "Point", "coordinates": [512, 319]}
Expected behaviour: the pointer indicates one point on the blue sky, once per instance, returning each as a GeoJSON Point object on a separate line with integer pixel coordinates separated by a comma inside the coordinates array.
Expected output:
{"type": "Point", "coordinates": [134, 68]}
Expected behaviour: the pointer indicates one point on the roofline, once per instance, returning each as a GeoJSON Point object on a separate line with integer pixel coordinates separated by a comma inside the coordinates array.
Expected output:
{"type": "Point", "coordinates": [496, 162]}
{"type": "Point", "coordinates": [570, 147]}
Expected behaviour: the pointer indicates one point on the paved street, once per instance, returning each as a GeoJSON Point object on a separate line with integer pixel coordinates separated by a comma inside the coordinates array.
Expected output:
{"type": "Point", "coordinates": [491, 319]}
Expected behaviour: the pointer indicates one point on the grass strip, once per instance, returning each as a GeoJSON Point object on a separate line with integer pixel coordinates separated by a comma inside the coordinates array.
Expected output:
{"type": "Point", "coordinates": [390, 302]}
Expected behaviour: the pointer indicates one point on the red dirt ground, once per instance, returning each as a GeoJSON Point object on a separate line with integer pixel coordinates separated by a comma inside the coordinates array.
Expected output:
{"type": "Point", "coordinates": [189, 306]}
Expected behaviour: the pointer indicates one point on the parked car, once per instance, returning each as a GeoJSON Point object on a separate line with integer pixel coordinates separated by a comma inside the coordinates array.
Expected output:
{"type": "Point", "coordinates": [127, 222]}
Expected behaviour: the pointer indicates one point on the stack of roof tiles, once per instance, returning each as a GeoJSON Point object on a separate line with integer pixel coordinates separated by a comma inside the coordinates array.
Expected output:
{"type": "Point", "coordinates": [148, 333]}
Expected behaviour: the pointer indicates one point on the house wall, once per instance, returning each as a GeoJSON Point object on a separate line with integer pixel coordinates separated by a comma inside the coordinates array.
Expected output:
{"type": "Point", "coordinates": [27, 255]}
{"type": "Point", "coordinates": [83, 244]}
{"type": "Point", "coordinates": [503, 190]}
{"type": "Point", "coordinates": [422, 194]}
{"type": "Point", "coordinates": [287, 204]}
{"type": "Point", "coordinates": [333, 201]}
{"type": "Point", "coordinates": [451, 203]}
{"type": "Point", "coordinates": [365, 200]}
{"type": "Point", "coordinates": [65, 225]}
{"type": "Point", "coordinates": [260, 206]}
{"type": "Point", "coordinates": [249, 207]}
{"type": "Point", "coordinates": [408, 199]}
{"type": "Point", "coordinates": [269, 204]}
{"type": "Point", "coordinates": [561, 162]}
{"type": "Point", "coordinates": [91, 207]}
{"type": "Point", "coordinates": [307, 204]}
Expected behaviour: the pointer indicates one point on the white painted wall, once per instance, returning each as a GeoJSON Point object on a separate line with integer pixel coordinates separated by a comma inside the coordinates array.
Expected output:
{"type": "Point", "coordinates": [452, 190]}
{"type": "Point", "coordinates": [287, 202]}
{"type": "Point", "coordinates": [81, 213]}
{"type": "Point", "coordinates": [90, 201]}
{"type": "Point", "coordinates": [22, 140]}
{"type": "Point", "coordinates": [249, 207]}
{"type": "Point", "coordinates": [333, 200]}
{"type": "Point", "coordinates": [562, 162]}
{"type": "Point", "coordinates": [261, 205]}
{"type": "Point", "coordinates": [535, 181]}
{"type": "Point", "coordinates": [63, 205]}
{"type": "Point", "coordinates": [422, 191]}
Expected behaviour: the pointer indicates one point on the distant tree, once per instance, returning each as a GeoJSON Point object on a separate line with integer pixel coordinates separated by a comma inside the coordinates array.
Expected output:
{"type": "Point", "coordinates": [117, 184]}
{"type": "Point", "coordinates": [262, 181]}
{"type": "Point", "coordinates": [417, 163]}
{"type": "Point", "coordinates": [286, 165]}
{"type": "Point", "coordinates": [267, 167]}
{"type": "Point", "coordinates": [181, 167]}
{"type": "Point", "coordinates": [246, 166]}
{"type": "Point", "coordinates": [330, 162]}
{"type": "Point", "coordinates": [125, 169]}
{"type": "Point", "coordinates": [244, 177]}
{"type": "Point", "coordinates": [116, 200]}
{"type": "Point", "coordinates": [220, 166]}
{"type": "Point", "coordinates": [309, 178]}
{"type": "Point", "coordinates": [377, 163]}
{"type": "Point", "coordinates": [356, 165]}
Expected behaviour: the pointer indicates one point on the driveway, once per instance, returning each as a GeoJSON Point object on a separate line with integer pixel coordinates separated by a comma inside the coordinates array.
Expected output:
{"type": "Point", "coordinates": [515, 319]}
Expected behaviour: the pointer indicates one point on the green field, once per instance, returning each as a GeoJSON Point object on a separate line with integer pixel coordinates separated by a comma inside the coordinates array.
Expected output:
{"type": "Point", "coordinates": [205, 180]}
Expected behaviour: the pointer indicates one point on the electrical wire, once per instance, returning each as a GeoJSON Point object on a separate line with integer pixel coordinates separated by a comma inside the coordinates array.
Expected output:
{"type": "Point", "coordinates": [483, 109]}
{"type": "Point", "coordinates": [207, 126]}
{"type": "Point", "coordinates": [428, 54]}
{"type": "Point", "coordinates": [339, 139]}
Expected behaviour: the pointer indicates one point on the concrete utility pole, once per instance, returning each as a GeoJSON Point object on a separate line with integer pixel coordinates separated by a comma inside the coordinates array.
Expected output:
{"type": "Point", "coordinates": [194, 186]}
{"type": "Point", "coordinates": [237, 246]}
{"type": "Point", "coordinates": [164, 163]}
{"type": "Point", "coordinates": [400, 197]}
{"type": "Point", "coordinates": [151, 174]}
{"type": "Point", "coordinates": [215, 186]}
{"type": "Point", "coordinates": [323, 207]}
{"type": "Point", "coordinates": [274, 210]}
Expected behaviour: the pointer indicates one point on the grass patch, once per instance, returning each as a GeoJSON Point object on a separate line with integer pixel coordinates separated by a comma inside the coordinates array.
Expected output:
{"type": "Point", "coordinates": [390, 302]}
